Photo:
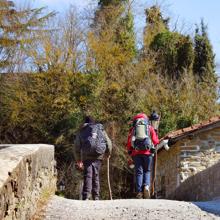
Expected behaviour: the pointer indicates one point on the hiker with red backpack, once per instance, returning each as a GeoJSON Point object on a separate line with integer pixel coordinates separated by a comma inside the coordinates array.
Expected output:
{"type": "Point", "coordinates": [92, 144]}
{"type": "Point", "coordinates": [141, 143]}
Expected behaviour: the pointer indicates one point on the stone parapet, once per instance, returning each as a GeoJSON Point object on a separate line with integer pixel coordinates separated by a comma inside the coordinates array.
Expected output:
{"type": "Point", "coordinates": [199, 154]}
{"type": "Point", "coordinates": [202, 186]}
{"type": "Point", "coordinates": [27, 172]}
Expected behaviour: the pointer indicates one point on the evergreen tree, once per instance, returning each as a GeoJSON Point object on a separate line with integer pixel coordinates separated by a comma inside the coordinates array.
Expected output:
{"type": "Point", "coordinates": [17, 30]}
{"type": "Point", "coordinates": [174, 53]}
{"type": "Point", "coordinates": [116, 15]}
{"type": "Point", "coordinates": [204, 63]}
{"type": "Point", "coordinates": [126, 35]}
{"type": "Point", "coordinates": [103, 3]}
{"type": "Point", "coordinates": [155, 23]}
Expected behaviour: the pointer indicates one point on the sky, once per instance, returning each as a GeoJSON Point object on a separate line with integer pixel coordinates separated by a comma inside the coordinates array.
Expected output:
{"type": "Point", "coordinates": [184, 13]}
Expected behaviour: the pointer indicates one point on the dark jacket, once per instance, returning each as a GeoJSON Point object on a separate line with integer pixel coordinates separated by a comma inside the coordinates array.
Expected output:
{"type": "Point", "coordinates": [78, 152]}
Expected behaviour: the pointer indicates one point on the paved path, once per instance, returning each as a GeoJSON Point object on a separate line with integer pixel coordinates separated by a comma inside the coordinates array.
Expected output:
{"type": "Point", "coordinates": [131, 209]}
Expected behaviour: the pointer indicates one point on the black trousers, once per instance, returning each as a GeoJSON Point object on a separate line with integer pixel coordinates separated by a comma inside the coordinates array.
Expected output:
{"type": "Point", "coordinates": [91, 184]}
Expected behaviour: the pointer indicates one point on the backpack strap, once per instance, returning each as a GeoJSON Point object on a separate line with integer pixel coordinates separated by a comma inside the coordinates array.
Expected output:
{"type": "Point", "coordinates": [149, 134]}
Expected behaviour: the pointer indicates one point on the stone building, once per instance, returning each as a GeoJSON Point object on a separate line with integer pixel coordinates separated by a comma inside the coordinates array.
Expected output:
{"type": "Point", "coordinates": [190, 169]}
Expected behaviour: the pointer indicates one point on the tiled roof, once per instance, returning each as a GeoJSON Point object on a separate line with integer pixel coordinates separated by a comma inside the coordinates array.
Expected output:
{"type": "Point", "coordinates": [189, 130]}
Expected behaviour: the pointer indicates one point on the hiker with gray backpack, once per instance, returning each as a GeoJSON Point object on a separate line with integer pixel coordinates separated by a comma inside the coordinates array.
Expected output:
{"type": "Point", "coordinates": [92, 144]}
{"type": "Point", "coordinates": [141, 143]}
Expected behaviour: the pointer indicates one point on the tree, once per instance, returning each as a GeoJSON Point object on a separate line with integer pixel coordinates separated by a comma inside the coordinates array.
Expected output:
{"type": "Point", "coordinates": [174, 53]}
{"type": "Point", "coordinates": [117, 16]}
{"type": "Point", "coordinates": [63, 47]}
{"type": "Point", "coordinates": [17, 28]}
{"type": "Point", "coordinates": [103, 3]}
{"type": "Point", "coordinates": [35, 107]}
{"type": "Point", "coordinates": [171, 52]}
{"type": "Point", "coordinates": [204, 63]}
{"type": "Point", "coordinates": [155, 24]}
{"type": "Point", "coordinates": [112, 48]}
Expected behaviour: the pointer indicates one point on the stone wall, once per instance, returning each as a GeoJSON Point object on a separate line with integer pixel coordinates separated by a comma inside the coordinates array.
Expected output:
{"type": "Point", "coordinates": [187, 158]}
{"type": "Point", "coordinates": [167, 172]}
{"type": "Point", "coordinates": [203, 186]}
{"type": "Point", "coordinates": [26, 174]}
{"type": "Point", "coordinates": [199, 152]}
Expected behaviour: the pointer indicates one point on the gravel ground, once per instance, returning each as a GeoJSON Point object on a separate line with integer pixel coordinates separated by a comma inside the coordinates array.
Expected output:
{"type": "Point", "coordinates": [131, 209]}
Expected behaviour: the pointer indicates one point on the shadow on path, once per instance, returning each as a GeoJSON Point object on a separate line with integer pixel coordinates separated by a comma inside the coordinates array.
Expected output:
{"type": "Point", "coordinates": [210, 206]}
{"type": "Point", "coordinates": [3, 147]}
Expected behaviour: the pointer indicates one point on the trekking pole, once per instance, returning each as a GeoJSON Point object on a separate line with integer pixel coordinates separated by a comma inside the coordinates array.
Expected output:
{"type": "Point", "coordinates": [155, 121]}
{"type": "Point", "coordinates": [81, 181]}
{"type": "Point", "coordinates": [80, 189]}
{"type": "Point", "coordinates": [108, 179]}
{"type": "Point", "coordinates": [154, 175]}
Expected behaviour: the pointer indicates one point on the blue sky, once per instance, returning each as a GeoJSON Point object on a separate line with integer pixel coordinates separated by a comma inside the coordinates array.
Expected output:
{"type": "Point", "coordinates": [187, 12]}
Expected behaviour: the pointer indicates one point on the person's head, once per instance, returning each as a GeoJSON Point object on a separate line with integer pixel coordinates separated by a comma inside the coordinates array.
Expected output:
{"type": "Point", "coordinates": [88, 119]}
{"type": "Point", "coordinates": [154, 116]}
{"type": "Point", "coordinates": [155, 120]}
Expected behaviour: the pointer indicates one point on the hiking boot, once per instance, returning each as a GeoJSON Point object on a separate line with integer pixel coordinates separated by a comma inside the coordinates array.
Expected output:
{"type": "Point", "coordinates": [139, 195]}
{"type": "Point", "coordinates": [86, 197]}
{"type": "Point", "coordinates": [146, 192]}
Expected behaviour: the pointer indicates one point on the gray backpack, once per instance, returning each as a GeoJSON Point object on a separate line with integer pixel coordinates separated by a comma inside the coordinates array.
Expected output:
{"type": "Point", "coordinates": [141, 138]}
{"type": "Point", "coordinates": [93, 142]}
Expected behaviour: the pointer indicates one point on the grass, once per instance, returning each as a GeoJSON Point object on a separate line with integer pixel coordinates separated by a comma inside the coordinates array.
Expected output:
{"type": "Point", "coordinates": [42, 202]}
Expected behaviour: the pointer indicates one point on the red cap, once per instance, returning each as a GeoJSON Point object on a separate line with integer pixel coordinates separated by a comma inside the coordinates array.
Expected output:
{"type": "Point", "coordinates": [140, 115]}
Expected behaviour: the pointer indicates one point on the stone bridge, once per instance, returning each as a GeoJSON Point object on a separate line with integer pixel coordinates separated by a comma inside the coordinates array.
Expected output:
{"type": "Point", "coordinates": [28, 183]}
{"type": "Point", "coordinates": [27, 175]}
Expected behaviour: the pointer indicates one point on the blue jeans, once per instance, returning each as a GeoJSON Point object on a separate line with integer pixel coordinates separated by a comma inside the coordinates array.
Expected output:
{"type": "Point", "coordinates": [142, 170]}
